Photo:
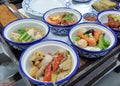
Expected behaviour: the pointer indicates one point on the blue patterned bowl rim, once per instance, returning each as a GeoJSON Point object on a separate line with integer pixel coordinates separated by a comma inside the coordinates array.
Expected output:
{"type": "Point", "coordinates": [90, 14]}
{"type": "Point", "coordinates": [27, 43]}
{"type": "Point", "coordinates": [49, 83]}
{"type": "Point", "coordinates": [107, 11]}
{"type": "Point", "coordinates": [60, 25]}
{"type": "Point", "coordinates": [28, 9]}
{"type": "Point", "coordinates": [115, 37]}
{"type": "Point", "coordinates": [82, 1]}
{"type": "Point", "coordinates": [26, 6]}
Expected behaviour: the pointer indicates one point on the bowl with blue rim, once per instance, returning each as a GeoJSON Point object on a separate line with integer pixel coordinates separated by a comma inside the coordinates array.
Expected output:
{"type": "Point", "coordinates": [38, 63]}
{"type": "Point", "coordinates": [90, 17]}
{"type": "Point", "coordinates": [92, 40]}
{"type": "Point", "coordinates": [22, 33]}
{"type": "Point", "coordinates": [62, 19]}
{"type": "Point", "coordinates": [111, 19]}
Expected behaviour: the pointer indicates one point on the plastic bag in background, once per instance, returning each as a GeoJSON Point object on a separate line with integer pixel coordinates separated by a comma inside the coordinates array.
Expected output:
{"type": "Point", "coordinates": [7, 71]}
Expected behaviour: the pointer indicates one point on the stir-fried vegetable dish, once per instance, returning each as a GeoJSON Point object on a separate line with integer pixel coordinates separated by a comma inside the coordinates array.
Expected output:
{"type": "Point", "coordinates": [63, 18]}
{"type": "Point", "coordinates": [27, 34]}
{"type": "Point", "coordinates": [113, 21]}
{"type": "Point", "coordinates": [50, 67]}
{"type": "Point", "coordinates": [92, 39]}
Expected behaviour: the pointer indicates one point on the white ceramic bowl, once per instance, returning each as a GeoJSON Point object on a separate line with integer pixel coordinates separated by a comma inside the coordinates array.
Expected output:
{"type": "Point", "coordinates": [103, 18]}
{"type": "Point", "coordinates": [109, 35]}
{"type": "Point", "coordinates": [17, 24]}
{"type": "Point", "coordinates": [47, 47]}
{"type": "Point", "coordinates": [59, 29]}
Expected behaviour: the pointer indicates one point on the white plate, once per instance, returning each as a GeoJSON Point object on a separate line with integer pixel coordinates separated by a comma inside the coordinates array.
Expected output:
{"type": "Point", "coordinates": [39, 7]}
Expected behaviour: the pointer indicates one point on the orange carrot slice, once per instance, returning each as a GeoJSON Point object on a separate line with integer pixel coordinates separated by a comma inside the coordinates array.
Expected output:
{"type": "Point", "coordinates": [97, 34]}
{"type": "Point", "coordinates": [91, 41]}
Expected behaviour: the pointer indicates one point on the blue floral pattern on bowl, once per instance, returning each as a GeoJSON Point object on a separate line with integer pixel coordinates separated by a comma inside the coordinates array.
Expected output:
{"type": "Point", "coordinates": [81, 1]}
{"type": "Point", "coordinates": [30, 6]}
{"type": "Point", "coordinates": [59, 29]}
{"type": "Point", "coordinates": [89, 14]}
{"type": "Point", "coordinates": [85, 54]}
{"type": "Point", "coordinates": [58, 84]}
{"type": "Point", "coordinates": [118, 34]}
{"type": "Point", "coordinates": [111, 36]}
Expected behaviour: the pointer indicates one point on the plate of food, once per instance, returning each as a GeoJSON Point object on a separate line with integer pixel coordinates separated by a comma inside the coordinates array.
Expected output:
{"type": "Point", "coordinates": [39, 7]}
{"type": "Point", "coordinates": [100, 5]}
{"type": "Point", "coordinates": [110, 18]}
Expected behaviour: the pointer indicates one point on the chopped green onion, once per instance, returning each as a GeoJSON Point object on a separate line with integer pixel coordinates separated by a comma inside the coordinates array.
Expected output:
{"type": "Point", "coordinates": [23, 36]}
{"type": "Point", "coordinates": [27, 38]}
{"type": "Point", "coordinates": [68, 16]}
{"type": "Point", "coordinates": [21, 31]}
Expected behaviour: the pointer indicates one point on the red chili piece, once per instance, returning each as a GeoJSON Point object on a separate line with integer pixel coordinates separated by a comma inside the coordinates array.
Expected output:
{"type": "Point", "coordinates": [48, 73]}
{"type": "Point", "coordinates": [57, 61]}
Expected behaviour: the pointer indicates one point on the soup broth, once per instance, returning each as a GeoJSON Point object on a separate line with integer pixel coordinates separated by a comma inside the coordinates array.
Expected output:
{"type": "Point", "coordinates": [27, 34]}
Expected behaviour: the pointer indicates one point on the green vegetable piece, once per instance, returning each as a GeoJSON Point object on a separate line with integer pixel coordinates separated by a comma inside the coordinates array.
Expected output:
{"type": "Point", "coordinates": [27, 38]}
{"type": "Point", "coordinates": [23, 36]}
{"type": "Point", "coordinates": [87, 35]}
{"type": "Point", "coordinates": [106, 43]}
{"type": "Point", "coordinates": [54, 77]}
{"type": "Point", "coordinates": [101, 42]}
{"type": "Point", "coordinates": [21, 31]}
{"type": "Point", "coordinates": [68, 16]}
{"type": "Point", "coordinates": [76, 38]}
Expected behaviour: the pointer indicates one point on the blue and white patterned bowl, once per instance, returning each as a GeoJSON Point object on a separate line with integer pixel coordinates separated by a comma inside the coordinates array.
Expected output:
{"type": "Point", "coordinates": [109, 35]}
{"type": "Point", "coordinates": [58, 29]}
{"type": "Point", "coordinates": [48, 46]}
{"type": "Point", "coordinates": [17, 24]}
{"type": "Point", "coordinates": [103, 18]}
{"type": "Point", "coordinates": [81, 1]}
{"type": "Point", "coordinates": [39, 7]}
{"type": "Point", "coordinates": [89, 14]}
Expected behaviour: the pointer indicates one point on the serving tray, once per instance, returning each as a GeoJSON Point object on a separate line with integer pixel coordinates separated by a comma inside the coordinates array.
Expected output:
{"type": "Point", "coordinates": [87, 66]}
{"type": "Point", "coordinates": [89, 70]}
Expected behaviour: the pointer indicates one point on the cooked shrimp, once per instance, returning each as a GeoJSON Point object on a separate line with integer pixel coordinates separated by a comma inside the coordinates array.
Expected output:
{"type": "Point", "coordinates": [54, 19]}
